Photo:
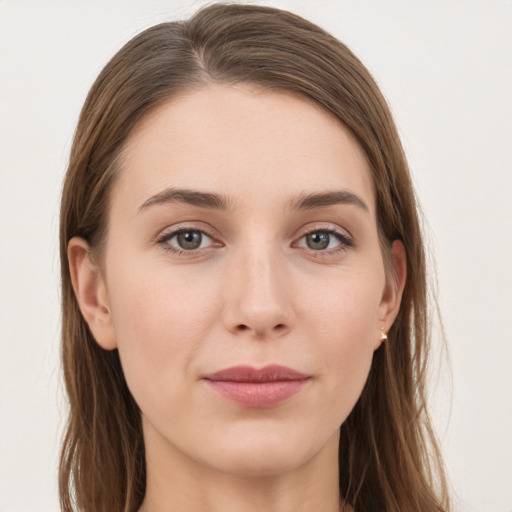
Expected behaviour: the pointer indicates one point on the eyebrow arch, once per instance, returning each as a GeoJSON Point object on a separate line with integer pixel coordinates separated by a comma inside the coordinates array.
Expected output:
{"type": "Point", "coordinates": [192, 197]}
{"type": "Point", "coordinates": [323, 199]}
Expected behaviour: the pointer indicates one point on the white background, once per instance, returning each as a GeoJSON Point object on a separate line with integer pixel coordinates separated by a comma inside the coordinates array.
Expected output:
{"type": "Point", "coordinates": [446, 69]}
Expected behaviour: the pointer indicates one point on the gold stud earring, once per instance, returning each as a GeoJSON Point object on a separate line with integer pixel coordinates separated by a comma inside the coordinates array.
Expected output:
{"type": "Point", "coordinates": [383, 336]}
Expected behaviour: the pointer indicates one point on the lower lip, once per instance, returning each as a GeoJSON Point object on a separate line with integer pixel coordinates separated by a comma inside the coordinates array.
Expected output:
{"type": "Point", "coordinates": [258, 395]}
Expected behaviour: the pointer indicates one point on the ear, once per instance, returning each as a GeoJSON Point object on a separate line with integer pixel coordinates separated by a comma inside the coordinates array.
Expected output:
{"type": "Point", "coordinates": [393, 289]}
{"type": "Point", "coordinates": [91, 293]}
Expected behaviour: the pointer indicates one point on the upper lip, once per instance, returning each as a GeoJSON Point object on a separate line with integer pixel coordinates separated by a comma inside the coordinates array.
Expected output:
{"type": "Point", "coordinates": [271, 373]}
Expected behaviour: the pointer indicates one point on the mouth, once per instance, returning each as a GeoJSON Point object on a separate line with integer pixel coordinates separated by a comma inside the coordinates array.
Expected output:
{"type": "Point", "coordinates": [257, 388]}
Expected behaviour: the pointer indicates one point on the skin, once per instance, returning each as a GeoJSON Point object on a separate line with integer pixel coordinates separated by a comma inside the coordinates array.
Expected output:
{"type": "Point", "coordinates": [253, 293]}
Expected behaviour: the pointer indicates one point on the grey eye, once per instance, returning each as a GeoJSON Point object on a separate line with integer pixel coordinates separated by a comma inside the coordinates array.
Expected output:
{"type": "Point", "coordinates": [318, 240]}
{"type": "Point", "coordinates": [189, 240]}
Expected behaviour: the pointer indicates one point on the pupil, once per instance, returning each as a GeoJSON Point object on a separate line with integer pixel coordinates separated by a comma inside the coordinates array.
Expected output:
{"type": "Point", "coordinates": [317, 241]}
{"type": "Point", "coordinates": [189, 240]}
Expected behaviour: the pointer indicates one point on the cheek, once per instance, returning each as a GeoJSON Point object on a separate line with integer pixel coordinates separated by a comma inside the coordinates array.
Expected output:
{"type": "Point", "coordinates": [160, 320]}
{"type": "Point", "coordinates": [345, 310]}
{"type": "Point", "coordinates": [343, 321]}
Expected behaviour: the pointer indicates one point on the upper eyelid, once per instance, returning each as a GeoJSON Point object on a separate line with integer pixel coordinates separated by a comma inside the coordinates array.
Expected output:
{"type": "Point", "coordinates": [177, 231]}
{"type": "Point", "coordinates": [344, 240]}
{"type": "Point", "coordinates": [344, 233]}
{"type": "Point", "coordinates": [171, 231]}
{"type": "Point", "coordinates": [326, 230]}
{"type": "Point", "coordinates": [172, 234]}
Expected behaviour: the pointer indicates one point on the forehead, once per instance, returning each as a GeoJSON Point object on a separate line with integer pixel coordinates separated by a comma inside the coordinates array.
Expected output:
{"type": "Point", "coordinates": [247, 143]}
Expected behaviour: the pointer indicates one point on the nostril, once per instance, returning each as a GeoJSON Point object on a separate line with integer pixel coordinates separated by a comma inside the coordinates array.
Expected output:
{"type": "Point", "coordinates": [278, 328]}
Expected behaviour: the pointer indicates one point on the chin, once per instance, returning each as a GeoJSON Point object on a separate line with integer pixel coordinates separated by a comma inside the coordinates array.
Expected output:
{"type": "Point", "coordinates": [251, 464]}
{"type": "Point", "coordinates": [267, 455]}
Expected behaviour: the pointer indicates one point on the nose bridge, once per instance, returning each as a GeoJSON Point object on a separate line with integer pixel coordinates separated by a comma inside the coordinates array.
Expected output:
{"type": "Point", "coordinates": [259, 298]}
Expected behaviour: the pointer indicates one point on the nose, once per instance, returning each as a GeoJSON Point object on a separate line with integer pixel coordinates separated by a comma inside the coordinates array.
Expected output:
{"type": "Point", "coordinates": [258, 295]}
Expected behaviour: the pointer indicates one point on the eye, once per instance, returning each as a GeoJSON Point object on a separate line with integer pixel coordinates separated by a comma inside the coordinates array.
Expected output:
{"type": "Point", "coordinates": [185, 240]}
{"type": "Point", "coordinates": [324, 240]}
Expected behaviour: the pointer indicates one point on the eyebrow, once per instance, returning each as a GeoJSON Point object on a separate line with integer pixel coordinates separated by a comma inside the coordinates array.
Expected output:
{"type": "Point", "coordinates": [192, 197]}
{"type": "Point", "coordinates": [323, 199]}
{"type": "Point", "coordinates": [220, 202]}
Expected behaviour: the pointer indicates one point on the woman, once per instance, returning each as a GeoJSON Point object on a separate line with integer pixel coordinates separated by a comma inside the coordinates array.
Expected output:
{"type": "Point", "coordinates": [245, 321]}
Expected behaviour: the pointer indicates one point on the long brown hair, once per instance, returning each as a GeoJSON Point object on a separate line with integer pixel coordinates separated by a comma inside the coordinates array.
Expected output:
{"type": "Point", "coordinates": [388, 458]}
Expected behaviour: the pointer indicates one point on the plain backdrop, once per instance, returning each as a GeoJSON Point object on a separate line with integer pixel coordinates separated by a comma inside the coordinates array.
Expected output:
{"type": "Point", "coordinates": [446, 69]}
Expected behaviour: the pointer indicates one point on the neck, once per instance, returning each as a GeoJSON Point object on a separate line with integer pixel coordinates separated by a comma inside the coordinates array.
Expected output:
{"type": "Point", "coordinates": [178, 483]}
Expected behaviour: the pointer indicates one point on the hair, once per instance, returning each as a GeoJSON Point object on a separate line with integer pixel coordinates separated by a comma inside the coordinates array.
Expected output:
{"type": "Point", "coordinates": [388, 457]}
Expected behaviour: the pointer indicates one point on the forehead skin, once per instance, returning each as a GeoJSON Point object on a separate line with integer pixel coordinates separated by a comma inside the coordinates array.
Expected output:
{"type": "Point", "coordinates": [235, 137]}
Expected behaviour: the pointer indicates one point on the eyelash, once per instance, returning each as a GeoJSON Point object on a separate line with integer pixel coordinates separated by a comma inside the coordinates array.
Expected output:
{"type": "Point", "coordinates": [345, 241]}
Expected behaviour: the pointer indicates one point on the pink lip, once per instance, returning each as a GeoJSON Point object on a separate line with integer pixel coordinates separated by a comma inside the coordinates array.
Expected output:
{"type": "Point", "coordinates": [257, 388]}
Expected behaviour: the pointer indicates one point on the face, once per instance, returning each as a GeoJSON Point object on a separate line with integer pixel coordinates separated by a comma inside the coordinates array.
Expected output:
{"type": "Point", "coordinates": [243, 282]}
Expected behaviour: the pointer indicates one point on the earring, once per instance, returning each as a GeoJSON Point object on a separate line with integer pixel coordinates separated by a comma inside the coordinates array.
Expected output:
{"type": "Point", "coordinates": [383, 336]}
